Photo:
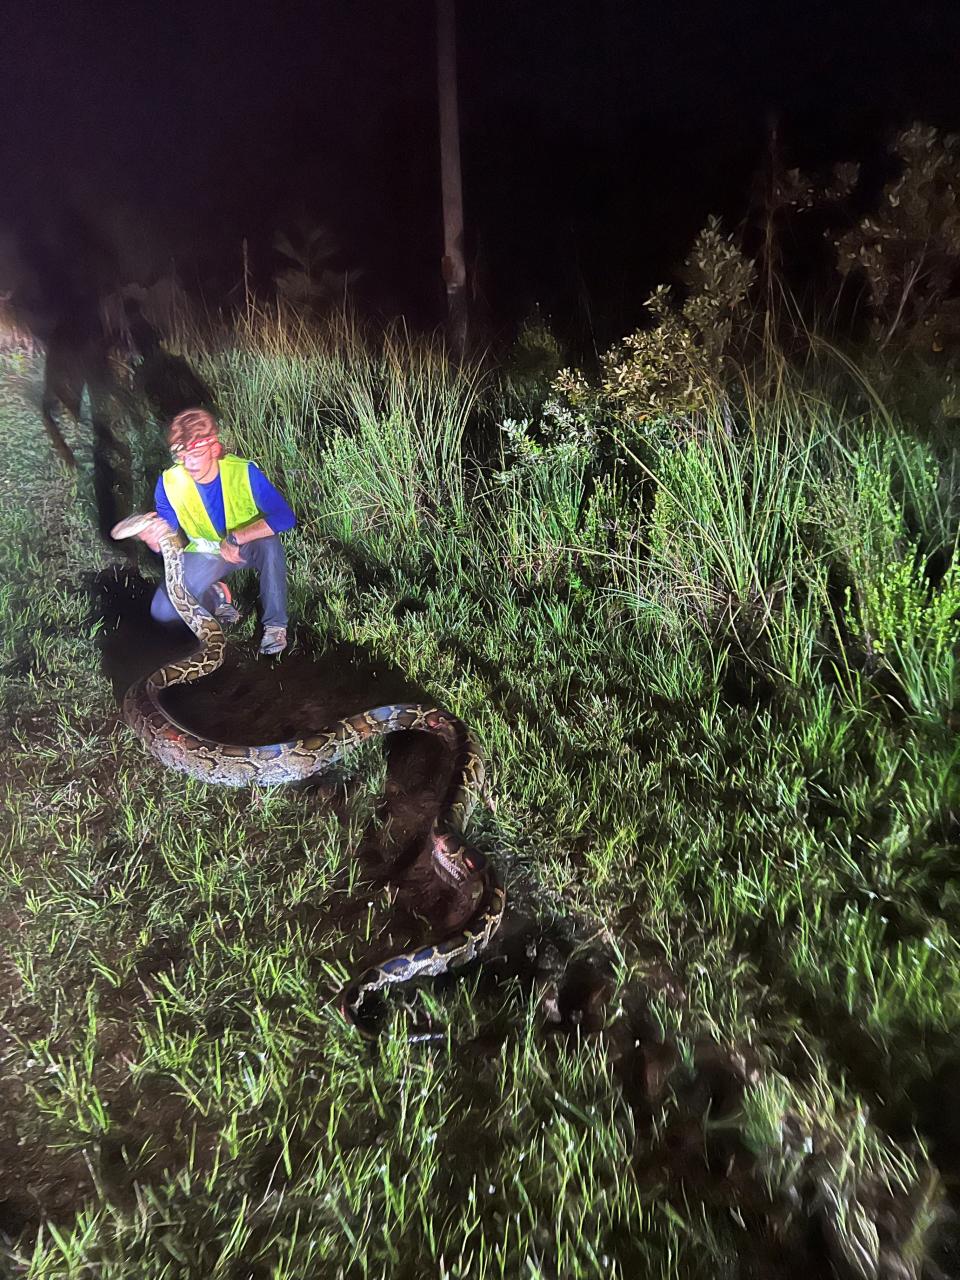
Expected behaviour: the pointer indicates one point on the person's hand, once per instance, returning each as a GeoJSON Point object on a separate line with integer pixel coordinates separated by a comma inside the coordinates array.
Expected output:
{"type": "Point", "coordinates": [230, 553]}
{"type": "Point", "coordinates": [152, 533]}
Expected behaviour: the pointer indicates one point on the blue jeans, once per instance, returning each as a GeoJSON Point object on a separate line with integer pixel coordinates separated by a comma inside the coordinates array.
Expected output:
{"type": "Point", "coordinates": [200, 571]}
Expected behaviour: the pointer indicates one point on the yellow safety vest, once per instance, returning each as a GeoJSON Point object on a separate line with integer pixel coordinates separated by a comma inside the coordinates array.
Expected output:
{"type": "Point", "coordinates": [184, 496]}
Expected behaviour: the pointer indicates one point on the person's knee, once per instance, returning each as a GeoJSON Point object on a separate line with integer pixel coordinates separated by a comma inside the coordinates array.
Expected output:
{"type": "Point", "coordinates": [161, 610]}
{"type": "Point", "coordinates": [266, 553]}
{"type": "Point", "coordinates": [271, 548]}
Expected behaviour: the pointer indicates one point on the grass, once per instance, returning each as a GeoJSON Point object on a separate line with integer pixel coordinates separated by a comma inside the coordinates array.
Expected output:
{"type": "Point", "coordinates": [716, 684]}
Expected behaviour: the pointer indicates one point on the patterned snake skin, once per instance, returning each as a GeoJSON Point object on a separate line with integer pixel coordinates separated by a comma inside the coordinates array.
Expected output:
{"type": "Point", "coordinates": [238, 766]}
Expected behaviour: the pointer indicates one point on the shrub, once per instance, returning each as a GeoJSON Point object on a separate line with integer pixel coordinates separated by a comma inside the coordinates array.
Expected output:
{"type": "Point", "coordinates": [676, 367]}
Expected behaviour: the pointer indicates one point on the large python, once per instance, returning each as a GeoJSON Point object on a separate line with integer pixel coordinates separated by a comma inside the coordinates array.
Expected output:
{"type": "Point", "coordinates": [230, 765]}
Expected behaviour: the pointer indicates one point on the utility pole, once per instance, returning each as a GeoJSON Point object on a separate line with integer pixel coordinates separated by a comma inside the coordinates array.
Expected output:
{"type": "Point", "coordinates": [454, 270]}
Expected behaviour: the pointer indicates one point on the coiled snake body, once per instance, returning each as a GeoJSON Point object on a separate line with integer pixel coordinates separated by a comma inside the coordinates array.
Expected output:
{"type": "Point", "coordinates": [230, 765]}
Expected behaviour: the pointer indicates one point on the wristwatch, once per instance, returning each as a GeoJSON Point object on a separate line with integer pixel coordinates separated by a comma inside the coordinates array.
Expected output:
{"type": "Point", "coordinates": [232, 539]}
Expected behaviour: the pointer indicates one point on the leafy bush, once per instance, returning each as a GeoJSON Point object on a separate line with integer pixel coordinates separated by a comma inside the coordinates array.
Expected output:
{"type": "Point", "coordinates": [531, 365]}
{"type": "Point", "coordinates": [675, 367]}
{"type": "Point", "coordinates": [908, 249]}
{"type": "Point", "coordinates": [905, 623]}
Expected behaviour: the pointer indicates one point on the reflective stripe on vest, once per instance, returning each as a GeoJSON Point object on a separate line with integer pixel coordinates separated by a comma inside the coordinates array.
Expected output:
{"type": "Point", "coordinates": [183, 495]}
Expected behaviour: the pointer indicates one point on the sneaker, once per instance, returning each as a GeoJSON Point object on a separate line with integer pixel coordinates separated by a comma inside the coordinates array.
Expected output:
{"type": "Point", "coordinates": [224, 610]}
{"type": "Point", "coordinates": [274, 640]}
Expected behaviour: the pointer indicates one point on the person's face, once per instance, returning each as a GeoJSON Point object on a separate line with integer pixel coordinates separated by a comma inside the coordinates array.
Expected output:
{"type": "Point", "coordinates": [200, 460]}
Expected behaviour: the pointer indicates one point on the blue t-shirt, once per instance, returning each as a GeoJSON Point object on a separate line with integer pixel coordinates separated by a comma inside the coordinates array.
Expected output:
{"type": "Point", "coordinates": [272, 505]}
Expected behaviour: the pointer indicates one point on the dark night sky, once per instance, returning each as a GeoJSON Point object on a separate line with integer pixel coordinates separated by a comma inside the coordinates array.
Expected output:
{"type": "Point", "coordinates": [596, 136]}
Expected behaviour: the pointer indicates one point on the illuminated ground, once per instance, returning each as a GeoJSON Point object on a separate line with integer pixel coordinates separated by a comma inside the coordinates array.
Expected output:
{"type": "Point", "coordinates": [724, 1000]}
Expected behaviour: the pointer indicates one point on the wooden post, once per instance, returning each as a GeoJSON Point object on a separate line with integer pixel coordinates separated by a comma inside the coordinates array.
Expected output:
{"type": "Point", "coordinates": [454, 270]}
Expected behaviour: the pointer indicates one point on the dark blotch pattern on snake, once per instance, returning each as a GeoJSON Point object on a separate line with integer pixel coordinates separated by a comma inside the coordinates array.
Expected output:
{"type": "Point", "coordinates": [228, 765]}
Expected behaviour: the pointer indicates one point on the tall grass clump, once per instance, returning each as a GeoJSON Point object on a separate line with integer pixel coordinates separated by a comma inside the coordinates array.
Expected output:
{"type": "Point", "coordinates": [366, 430]}
{"type": "Point", "coordinates": [728, 515]}
{"type": "Point", "coordinates": [887, 526]}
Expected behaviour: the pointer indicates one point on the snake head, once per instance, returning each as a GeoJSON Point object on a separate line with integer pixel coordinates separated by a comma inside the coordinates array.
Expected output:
{"type": "Point", "coordinates": [445, 843]}
{"type": "Point", "coordinates": [440, 722]}
{"type": "Point", "coordinates": [133, 525]}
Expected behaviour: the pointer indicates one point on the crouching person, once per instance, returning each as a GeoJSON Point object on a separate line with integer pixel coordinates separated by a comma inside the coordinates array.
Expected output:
{"type": "Point", "coordinates": [229, 516]}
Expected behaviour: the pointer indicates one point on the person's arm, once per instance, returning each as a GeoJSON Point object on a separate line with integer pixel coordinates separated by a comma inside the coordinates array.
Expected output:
{"type": "Point", "coordinates": [251, 532]}
{"type": "Point", "coordinates": [276, 516]}
{"type": "Point", "coordinates": [276, 513]}
{"type": "Point", "coordinates": [164, 506]}
{"type": "Point", "coordinates": [166, 519]}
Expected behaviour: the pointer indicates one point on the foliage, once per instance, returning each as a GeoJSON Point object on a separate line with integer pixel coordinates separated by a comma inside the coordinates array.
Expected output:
{"type": "Point", "coordinates": [661, 379]}
{"type": "Point", "coordinates": [532, 363]}
{"type": "Point", "coordinates": [541, 490]}
{"type": "Point", "coordinates": [727, 520]}
{"type": "Point", "coordinates": [677, 367]}
{"type": "Point", "coordinates": [908, 249]}
{"type": "Point", "coordinates": [309, 280]}
{"type": "Point", "coordinates": [798, 190]}
{"type": "Point", "coordinates": [719, 279]}
{"type": "Point", "coordinates": [672, 368]}
{"type": "Point", "coordinates": [906, 622]}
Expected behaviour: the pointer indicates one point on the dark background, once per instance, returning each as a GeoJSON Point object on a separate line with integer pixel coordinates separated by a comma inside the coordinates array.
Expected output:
{"type": "Point", "coordinates": [596, 138]}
